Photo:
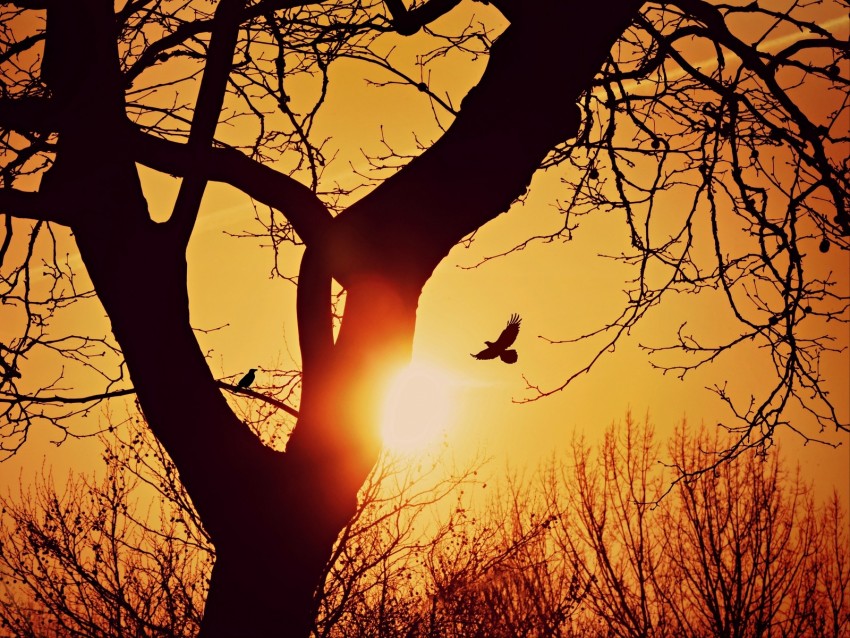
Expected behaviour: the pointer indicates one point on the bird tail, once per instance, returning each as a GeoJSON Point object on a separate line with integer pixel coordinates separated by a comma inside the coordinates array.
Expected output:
{"type": "Point", "coordinates": [509, 356]}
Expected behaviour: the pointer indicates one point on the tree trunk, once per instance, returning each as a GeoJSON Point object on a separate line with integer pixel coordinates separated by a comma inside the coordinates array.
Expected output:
{"type": "Point", "coordinates": [273, 517]}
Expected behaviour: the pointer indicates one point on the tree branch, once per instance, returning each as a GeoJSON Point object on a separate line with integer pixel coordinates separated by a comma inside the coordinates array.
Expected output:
{"type": "Point", "coordinates": [307, 214]}
{"type": "Point", "coordinates": [29, 114]}
{"type": "Point", "coordinates": [259, 395]}
{"type": "Point", "coordinates": [207, 109]}
{"type": "Point", "coordinates": [7, 397]}
{"type": "Point", "coordinates": [408, 22]}
{"type": "Point", "coordinates": [506, 126]}
{"type": "Point", "coordinates": [156, 51]}
{"type": "Point", "coordinates": [29, 205]}
{"type": "Point", "coordinates": [20, 46]}
{"type": "Point", "coordinates": [713, 18]}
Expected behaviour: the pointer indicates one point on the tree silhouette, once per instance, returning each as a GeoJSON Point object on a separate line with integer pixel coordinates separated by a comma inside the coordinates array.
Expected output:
{"type": "Point", "coordinates": [91, 91]}
{"type": "Point", "coordinates": [86, 559]}
{"type": "Point", "coordinates": [566, 550]}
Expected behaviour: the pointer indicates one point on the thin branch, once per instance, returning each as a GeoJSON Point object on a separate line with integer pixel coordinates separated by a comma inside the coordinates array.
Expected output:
{"type": "Point", "coordinates": [6, 397]}
{"type": "Point", "coordinates": [260, 396]}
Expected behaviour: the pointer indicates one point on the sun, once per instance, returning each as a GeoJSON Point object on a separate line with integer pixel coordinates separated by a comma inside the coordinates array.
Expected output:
{"type": "Point", "coordinates": [418, 408]}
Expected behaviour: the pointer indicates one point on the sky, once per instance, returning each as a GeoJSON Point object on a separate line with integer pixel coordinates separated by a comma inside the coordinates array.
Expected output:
{"type": "Point", "coordinates": [561, 290]}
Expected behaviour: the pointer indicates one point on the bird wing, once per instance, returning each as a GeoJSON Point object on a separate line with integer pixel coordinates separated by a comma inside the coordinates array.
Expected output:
{"type": "Point", "coordinates": [487, 353]}
{"type": "Point", "coordinates": [509, 334]}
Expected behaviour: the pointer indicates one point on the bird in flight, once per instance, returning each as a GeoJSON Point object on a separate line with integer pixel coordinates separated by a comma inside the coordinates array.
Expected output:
{"type": "Point", "coordinates": [499, 347]}
{"type": "Point", "coordinates": [247, 380]}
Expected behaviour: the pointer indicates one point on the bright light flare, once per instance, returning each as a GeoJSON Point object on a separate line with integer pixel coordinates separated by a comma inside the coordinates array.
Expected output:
{"type": "Point", "coordinates": [418, 408]}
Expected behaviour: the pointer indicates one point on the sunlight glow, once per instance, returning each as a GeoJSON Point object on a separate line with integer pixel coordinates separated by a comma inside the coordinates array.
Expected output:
{"type": "Point", "coordinates": [418, 408]}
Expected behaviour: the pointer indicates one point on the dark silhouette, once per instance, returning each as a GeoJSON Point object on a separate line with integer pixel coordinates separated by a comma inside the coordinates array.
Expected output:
{"type": "Point", "coordinates": [499, 348]}
{"type": "Point", "coordinates": [9, 371]}
{"type": "Point", "coordinates": [248, 379]}
{"type": "Point", "coordinates": [82, 115]}
{"type": "Point", "coordinates": [541, 562]}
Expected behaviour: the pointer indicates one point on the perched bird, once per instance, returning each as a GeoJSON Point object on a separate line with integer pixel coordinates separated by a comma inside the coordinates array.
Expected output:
{"type": "Point", "coordinates": [499, 348]}
{"type": "Point", "coordinates": [247, 380]}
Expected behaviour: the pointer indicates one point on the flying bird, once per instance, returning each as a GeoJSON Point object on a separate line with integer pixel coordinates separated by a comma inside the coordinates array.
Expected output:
{"type": "Point", "coordinates": [499, 348]}
{"type": "Point", "coordinates": [247, 380]}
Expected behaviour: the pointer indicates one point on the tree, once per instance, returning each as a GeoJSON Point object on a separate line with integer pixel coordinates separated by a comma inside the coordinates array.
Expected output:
{"type": "Point", "coordinates": [748, 531]}
{"type": "Point", "coordinates": [125, 553]}
{"type": "Point", "coordinates": [98, 556]}
{"type": "Point", "coordinates": [91, 90]}
{"type": "Point", "coordinates": [564, 551]}
{"type": "Point", "coordinates": [738, 551]}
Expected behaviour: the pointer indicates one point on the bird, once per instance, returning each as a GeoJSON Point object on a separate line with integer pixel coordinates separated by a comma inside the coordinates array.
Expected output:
{"type": "Point", "coordinates": [499, 348]}
{"type": "Point", "coordinates": [247, 380]}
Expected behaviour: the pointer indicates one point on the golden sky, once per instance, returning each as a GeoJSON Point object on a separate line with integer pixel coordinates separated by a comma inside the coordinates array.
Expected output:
{"type": "Point", "coordinates": [561, 290]}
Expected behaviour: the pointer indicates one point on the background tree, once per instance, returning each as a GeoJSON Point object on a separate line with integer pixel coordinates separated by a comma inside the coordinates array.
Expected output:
{"type": "Point", "coordinates": [157, 83]}
{"type": "Point", "coordinates": [745, 533]}
{"type": "Point", "coordinates": [556, 552]}
{"type": "Point", "coordinates": [121, 554]}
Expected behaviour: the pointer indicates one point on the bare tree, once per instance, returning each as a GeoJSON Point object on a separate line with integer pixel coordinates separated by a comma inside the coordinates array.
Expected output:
{"type": "Point", "coordinates": [585, 549]}
{"type": "Point", "coordinates": [828, 596]}
{"type": "Point", "coordinates": [568, 551]}
{"type": "Point", "coordinates": [157, 82]}
{"type": "Point", "coordinates": [117, 555]}
{"type": "Point", "coordinates": [617, 534]}
{"type": "Point", "coordinates": [737, 551]}
{"type": "Point", "coordinates": [744, 534]}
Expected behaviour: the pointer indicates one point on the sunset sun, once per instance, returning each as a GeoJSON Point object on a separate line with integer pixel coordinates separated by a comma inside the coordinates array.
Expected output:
{"type": "Point", "coordinates": [418, 408]}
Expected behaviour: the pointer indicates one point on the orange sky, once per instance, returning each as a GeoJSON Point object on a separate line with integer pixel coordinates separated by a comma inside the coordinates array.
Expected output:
{"type": "Point", "coordinates": [561, 290]}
